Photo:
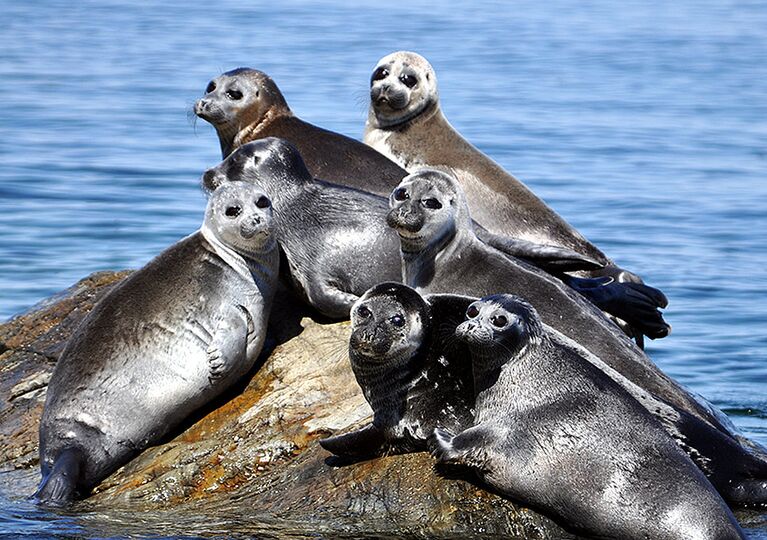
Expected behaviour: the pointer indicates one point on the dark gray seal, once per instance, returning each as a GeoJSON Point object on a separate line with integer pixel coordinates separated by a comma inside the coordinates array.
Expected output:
{"type": "Point", "coordinates": [418, 379]}
{"type": "Point", "coordinates": [412, 371]}
{"type": "Point", "coordinates": [441, 254]}
{"type": "Point", "coordinates": [166, 341]}
{"type": "Point", "coordinates": [245, 104]}
{"type": "Point", "coordinates": [335, 239]}
{"type": "Point", "coordinates": [554, 432]}
{"type": "Point", "coordinates": [406, 124]}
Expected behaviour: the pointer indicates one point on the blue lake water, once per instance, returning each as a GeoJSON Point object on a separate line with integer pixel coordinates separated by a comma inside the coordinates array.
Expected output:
{"type": "Point", "coordinates": [643, 123]}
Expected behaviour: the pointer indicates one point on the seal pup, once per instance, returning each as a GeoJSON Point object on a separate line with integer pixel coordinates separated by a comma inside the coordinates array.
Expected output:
{"type": "Point", "coordinates": [441, 254]}
{"type": "Point", "coordinates": [334, 238]}
{"type": "Point", "coordinates": [412, 371]}
{"type": "Point", "coordinates": [163, 343]}
{"type": "Point", "coordinates": [554, 432]}
{"type": "Point", "coordinates": [245, 104]}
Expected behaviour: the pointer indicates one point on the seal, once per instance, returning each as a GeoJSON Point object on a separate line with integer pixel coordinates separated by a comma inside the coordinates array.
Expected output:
{"type": "Point", "coordinates": [334, 238]}
{"type": "Point", "coordinates": [441, 254]}
{"type": "Point", "coordinates": [167, 340]}
{"type": "Point", "coordinates": [405, 123]}
{"type": "Point", "coordinates": [245, 104]}
{"type": "Point", "coordinates": [412, 371]}
{"type": "Point", "coordinates": [542, 407]}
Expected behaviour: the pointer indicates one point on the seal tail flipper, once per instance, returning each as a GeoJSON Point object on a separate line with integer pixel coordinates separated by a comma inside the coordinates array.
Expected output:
{"type": "Point", "coordinates": [59, 487]}
{"type": "Point", "coordinates": [748, 493]}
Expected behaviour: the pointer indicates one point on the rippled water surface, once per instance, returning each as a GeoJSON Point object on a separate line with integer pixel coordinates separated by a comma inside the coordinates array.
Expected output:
{"type": "Point", "coordinates": [643, 123]}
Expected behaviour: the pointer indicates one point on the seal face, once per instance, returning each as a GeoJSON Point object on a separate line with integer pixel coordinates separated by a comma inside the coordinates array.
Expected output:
{"type": "Point", "coordinates": [409, 367]}
{"type": "Point", "coordinates": [163, 343]}
{"type": "Point", "coordinates": [542, 407]}
{"type": "Point", "coordinates": [403, 85]}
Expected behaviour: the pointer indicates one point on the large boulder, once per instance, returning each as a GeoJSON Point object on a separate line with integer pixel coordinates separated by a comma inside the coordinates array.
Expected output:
{"type": "Point", "coordinates": [250, 462]}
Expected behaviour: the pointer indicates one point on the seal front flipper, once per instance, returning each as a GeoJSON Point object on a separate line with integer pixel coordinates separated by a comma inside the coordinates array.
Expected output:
{"type": "Point", "coordinates": [546, 257]}
{"type": "Point", "coordinates": [59, 486]}
{"type": "Point", "coordinates": [468, 448]}
{"type": "Point", "coordinates": [334, 302]}
{"type": "Point", "coordinates": [228, 347]}
{"type": "Point", "coordinates": [635, 303]}
{"type": "Point", "coordinates": [367, 442]}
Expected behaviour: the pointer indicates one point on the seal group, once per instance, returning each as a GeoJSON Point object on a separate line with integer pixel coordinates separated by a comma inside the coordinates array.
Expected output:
{"type": "Point", "coordinates": [484, 328]}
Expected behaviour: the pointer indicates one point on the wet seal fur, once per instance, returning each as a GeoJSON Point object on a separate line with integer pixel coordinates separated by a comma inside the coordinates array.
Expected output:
{"type": "Point", "coordinates": [441, 254]}
{"type": "Point", "coordinates": [556, 433]}
{"type": "Point", "coordinates": [245, 105]}
{"type": "Point", "coordinates": [163, 343]}
{"type": "Point", "coordinates": [335, 239]}
{"type": "Point", "coordinates": [425, 380]}
{"type": "Point", "coordinates": [405, 123]}
{"type": "Point", "coordinates": [412, 371]}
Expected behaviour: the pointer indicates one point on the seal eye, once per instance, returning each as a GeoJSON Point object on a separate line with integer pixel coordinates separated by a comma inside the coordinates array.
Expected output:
{"type": "Point", "coordinates": [233, 211]}
{"type": "Point", "coordinates": [380, 73]}
{"type": "Point", "coordinates": [408, 80]}
{"type": "Point", "coordinates": [211, 87]}
{"type": "Point", "coordinates": [400, 194]}
{"type": "Point", "coordinates": [263, 202]}
{"type": "Point", "coordinates": [363, 312]}
{"type": "Point", "coordinates": [499, 320]}
{"type": "Point", "coordinates": [234, 94]}
{"type": "Point", "coordinates": [398, 321]}
{"type": "Point", "coordinates": [431, 204]}
{"type": "Point", "coordinates": [472, 312]}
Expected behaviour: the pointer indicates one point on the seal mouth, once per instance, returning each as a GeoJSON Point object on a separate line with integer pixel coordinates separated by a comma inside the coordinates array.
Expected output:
{"type": "Point", "coordinates": [252, 230]}
{"type": "Point", "coordinates": [472, 334]}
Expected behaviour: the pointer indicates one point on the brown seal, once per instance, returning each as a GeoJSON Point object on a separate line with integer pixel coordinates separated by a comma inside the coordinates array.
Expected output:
{"type": "Point", "coordinates": [245, 104]}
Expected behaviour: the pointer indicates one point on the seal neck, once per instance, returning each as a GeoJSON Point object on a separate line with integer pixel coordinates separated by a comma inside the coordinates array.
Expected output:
{"type": "Point", "coordinates": [232, 136]}
{"type": "Point", "coordinates": [419, 265]}
{"type": "Point", "coordinates": [429, 110]}
{"type": "Point", "coordinates": [250, 267]}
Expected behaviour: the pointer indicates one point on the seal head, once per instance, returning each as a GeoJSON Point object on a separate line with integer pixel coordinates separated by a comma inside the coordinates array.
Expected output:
{"type": "Point", "coordinates": [403, 86]}
{"type": "Point", "coordinates": [237, 103]}
{"type": "Point", "coordinates": [240, 216]}
{"type": "Point", "coordinates": [427, 208]}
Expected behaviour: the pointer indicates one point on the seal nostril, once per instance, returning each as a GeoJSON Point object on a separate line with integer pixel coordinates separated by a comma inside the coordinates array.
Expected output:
{"type": "Point", "coordinates": [209, 179]}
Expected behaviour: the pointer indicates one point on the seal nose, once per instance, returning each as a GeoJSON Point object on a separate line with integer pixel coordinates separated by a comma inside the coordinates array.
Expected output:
{"type": "Point", "coordinates": [201, 105]}
{"type": "Point", "coordinates": [211, 179]}
{"type": "Point", "coordinates": [404, 218]}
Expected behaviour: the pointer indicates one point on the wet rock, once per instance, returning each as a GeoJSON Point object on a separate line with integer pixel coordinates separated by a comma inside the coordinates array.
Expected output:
{"type": "Point", "coordinates": [250, 463]}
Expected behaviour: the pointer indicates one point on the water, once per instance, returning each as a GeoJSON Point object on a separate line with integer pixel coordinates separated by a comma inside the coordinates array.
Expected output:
{"type": "Point", "coordinates": [643, 123]}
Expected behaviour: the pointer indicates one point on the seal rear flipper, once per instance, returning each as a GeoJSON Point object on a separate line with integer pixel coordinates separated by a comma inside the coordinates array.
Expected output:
{"type": "Point", "coordinates": [59, 487]}
{"type": "Point", "coordinates": [550, 258]}
{"type": "Point", "coordinates": [635, 303]}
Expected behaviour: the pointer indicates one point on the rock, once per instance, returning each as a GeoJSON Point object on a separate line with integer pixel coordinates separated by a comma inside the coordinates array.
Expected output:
{"type": "Point", "coordinates": [250, 463]}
